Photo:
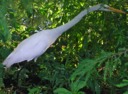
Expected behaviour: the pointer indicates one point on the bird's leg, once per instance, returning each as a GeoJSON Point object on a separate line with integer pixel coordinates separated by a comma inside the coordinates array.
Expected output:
{"type": "Point", "coordinates": [35, 59]}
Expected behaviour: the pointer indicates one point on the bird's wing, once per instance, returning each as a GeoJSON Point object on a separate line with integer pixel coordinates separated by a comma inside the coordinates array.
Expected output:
{"type": "Point", "coordinates": [28, 49]}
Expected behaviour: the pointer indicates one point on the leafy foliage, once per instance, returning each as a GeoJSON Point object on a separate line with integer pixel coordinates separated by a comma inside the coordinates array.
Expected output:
{"type": "Point", "coordinates": [89, 58]}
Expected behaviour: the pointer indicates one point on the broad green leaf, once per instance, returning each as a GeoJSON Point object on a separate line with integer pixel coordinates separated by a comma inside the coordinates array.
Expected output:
{"type": "Point", "coordinates": [125, 92]}
{"type": "Point", "coordinates": [123, 83]}
{"type": "Point", "coordinates": [62, 91]}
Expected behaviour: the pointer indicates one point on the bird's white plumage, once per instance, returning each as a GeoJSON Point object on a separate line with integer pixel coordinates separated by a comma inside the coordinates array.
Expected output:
{"type": "Point", "coordinates": [30, 48]}
{"type": "Point", "coordinates": [37, 44]}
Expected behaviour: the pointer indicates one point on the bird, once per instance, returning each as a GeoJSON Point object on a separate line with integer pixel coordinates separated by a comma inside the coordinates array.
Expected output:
{"type": "Point", "coordinates": [35, 45]}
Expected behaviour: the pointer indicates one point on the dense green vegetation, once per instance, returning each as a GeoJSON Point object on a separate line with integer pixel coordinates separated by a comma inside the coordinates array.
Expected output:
{"type": "Point", "coordinates": [90, 58]}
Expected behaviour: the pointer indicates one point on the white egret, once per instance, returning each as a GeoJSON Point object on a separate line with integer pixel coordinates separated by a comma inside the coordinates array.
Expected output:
{"type": "Point", "coordinates": [38, 43]}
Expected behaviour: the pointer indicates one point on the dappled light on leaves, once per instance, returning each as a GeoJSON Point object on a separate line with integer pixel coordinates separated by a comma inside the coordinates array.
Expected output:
{"type": "Point", "coordinates": [89, 58]}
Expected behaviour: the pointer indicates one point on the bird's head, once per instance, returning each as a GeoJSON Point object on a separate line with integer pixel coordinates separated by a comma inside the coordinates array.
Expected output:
{"type": "Point", "coordinates": [105, 7]}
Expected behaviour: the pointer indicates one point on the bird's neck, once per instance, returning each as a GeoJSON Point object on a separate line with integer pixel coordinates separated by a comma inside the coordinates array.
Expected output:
{"type": "Point", "coordinates": [59, 30]}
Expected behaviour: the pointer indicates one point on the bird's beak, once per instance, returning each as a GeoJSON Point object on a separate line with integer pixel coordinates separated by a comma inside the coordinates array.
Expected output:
{"type": "Point", "coordinates": [116, 10]}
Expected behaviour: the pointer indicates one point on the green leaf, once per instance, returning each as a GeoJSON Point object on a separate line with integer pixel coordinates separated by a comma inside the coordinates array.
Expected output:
{"type": "Point", "coordinates": [1, 75]}
{"type": "Point", "coordinates": [84, 67]}
{"type": "Point", "coordinates": [34, 90]}
{"type": "Point", "coordinates": [123, 83]}
{"type": "Point", "coordinates": [77, 85]}
{"type": "Point", "coordinates": [62, 91]}
{"type": "Point", "coordinates": [125, 92]}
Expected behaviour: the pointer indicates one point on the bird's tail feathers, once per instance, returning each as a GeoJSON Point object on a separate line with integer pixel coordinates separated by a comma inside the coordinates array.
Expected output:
{"type": "Point", "coordinates": [9, 61]}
